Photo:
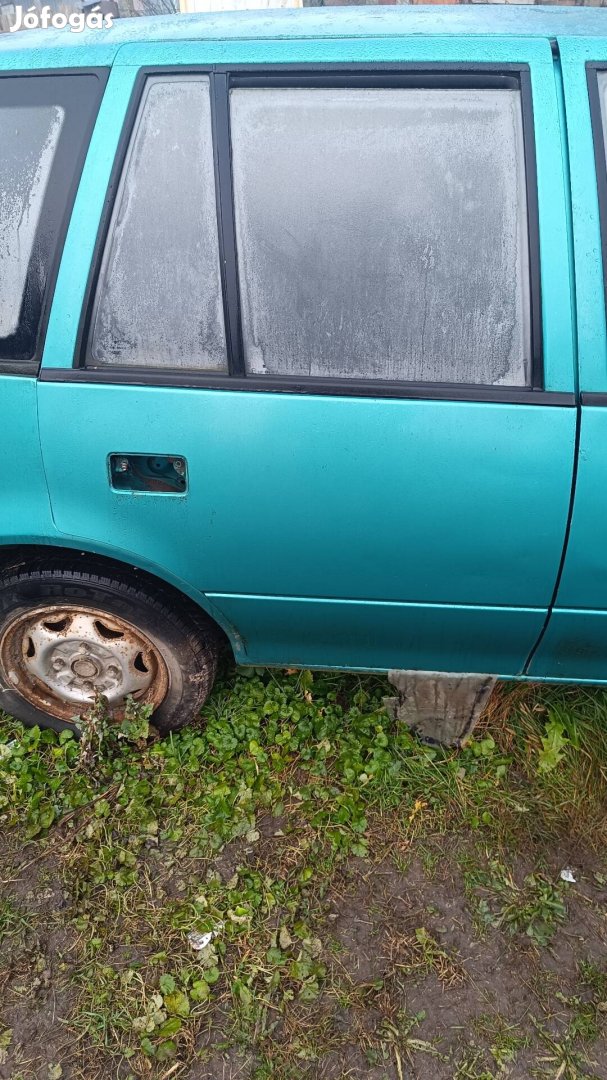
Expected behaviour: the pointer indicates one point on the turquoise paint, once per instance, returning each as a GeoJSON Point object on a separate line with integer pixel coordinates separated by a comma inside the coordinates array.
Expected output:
{"type": "Point", "coordinates": [391, 513]}
{"type": "Point", "coordinates": [332, 532]}
{"type": "Point", "coordinates": [584, 580]}
{"type": "Point", "coordinates": [574, 647]}
{"type": "Point", "coordinates": [560, 93]}
{"type": "Point", "coordinates": [375, 636]}
{"type": "Point", "coordinates": [556, 296]}
{"type": "Point", "coordinates": [24, 502]}
{"type": "Point", "coordinates": [82, 234]}
{"type": "Point", "coordinates": [574, 644]}
{"type": "Point", "coordinates": [592, 337]}
{"type": "Point", "coordinates": [326, 497]}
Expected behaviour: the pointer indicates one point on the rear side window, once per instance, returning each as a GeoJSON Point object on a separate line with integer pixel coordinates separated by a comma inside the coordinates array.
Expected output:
{"type": "Point", "coordinates": [382, 233]}
{"type": "Point", "coordinates": [158, 300]}
{"type": "Point", "coordinates": [45, 125]}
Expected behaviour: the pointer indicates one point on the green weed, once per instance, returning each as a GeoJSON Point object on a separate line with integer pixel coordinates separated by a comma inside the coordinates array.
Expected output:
{"type": "Point", "coordinates": [534, 908]}
{"type": "Point", "coordinates": [240, 827]}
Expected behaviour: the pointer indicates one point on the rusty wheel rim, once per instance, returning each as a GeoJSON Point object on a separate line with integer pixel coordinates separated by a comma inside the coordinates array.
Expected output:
{"type": "Point", "coordinates": [60, 657]}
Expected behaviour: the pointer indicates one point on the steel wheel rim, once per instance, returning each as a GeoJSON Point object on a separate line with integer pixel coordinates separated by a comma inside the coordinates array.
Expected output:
{"type": "Point", "coordinates": [60, 657]}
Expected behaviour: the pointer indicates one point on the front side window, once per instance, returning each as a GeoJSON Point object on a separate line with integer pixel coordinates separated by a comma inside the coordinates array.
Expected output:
{"type": "Point", "coordinates": [158, 301]}
{"type": "Point", "coordinates": [381, 233]}
{"type": "Point", "coordinates": [44, 121]}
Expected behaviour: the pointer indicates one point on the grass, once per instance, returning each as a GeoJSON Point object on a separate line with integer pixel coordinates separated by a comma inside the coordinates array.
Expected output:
{"type": "Point", "coordinates": [535, 907]}
{"type": "Point", "coordinates": [372, 906]}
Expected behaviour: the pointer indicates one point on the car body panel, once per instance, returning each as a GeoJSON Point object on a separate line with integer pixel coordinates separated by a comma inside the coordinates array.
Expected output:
{"type": "Point", "coordinates": [574, 643]}
{"type": "Point", "coordinates": [364, 635]}
{"type": "Point", "coordinates": [352, 524]}
{"type": "Point", "coordinates": [331, 531]}
{"type": "Point", "coordinates": [25, 510]}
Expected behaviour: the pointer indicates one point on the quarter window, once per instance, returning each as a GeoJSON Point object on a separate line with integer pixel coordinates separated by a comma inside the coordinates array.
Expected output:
{"type": "Point", "coordinates": [602, 81]}
{"type": "Point", "coordinates": [158, 301]}
{"type": "Point", "coordinates": [45, 122]}
{"type": "Point", "coordinates": [382, 233]}
{"type": "Point", "coordinates": [602, 77]}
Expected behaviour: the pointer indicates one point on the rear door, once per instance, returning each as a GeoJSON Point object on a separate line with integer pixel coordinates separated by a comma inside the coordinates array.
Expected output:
{"type": "Point", "coordinates": [575, 643]}
{"type": "Point", "coordinates": [334, 292]}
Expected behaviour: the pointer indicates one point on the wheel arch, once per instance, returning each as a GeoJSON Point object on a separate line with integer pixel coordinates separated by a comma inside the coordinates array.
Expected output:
{"type": "Point", "coordinates": [15, 555]}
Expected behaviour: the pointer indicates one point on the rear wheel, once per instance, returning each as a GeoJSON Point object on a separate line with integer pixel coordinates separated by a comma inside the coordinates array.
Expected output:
{"type": "Point", "coordinates": [67, 635]}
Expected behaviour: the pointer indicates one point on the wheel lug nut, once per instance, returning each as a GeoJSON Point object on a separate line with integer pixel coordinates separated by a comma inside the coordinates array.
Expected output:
{"type": "Point", "coordinates": [113, 672]}
{"type": "Point", "coordinates": [88, 686]}
{"type": "Point", "coordinates": [58, 664]}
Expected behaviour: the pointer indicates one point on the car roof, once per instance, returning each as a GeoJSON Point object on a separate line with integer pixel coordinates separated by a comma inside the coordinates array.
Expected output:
{"type": "Point", "coordinates": [63, 47]}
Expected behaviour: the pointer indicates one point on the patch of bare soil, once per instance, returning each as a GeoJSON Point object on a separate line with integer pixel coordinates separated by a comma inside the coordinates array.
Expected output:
{"type": "Point", "coordinates": [416, 986]}
{"type": "Point", "coordinates": [409, 950]}
{"type": "Point", "coordinates": [35, 969]}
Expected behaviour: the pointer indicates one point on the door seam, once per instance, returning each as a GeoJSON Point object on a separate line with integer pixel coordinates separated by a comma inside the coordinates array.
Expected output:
{"type": "Point", "coordinates": [558, 79]}
{"type": "Point", "coordinates": [551, 605]}
{"type": "Point", "coordinates": [43, 460]}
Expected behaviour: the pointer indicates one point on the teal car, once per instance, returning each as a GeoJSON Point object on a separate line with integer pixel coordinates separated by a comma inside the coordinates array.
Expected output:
{"type": "Point", "coordinates": [302, 349]}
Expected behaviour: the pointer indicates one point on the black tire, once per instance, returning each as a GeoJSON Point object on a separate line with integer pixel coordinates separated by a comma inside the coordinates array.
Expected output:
{"type": "Point", "coordinates": [184, 636]}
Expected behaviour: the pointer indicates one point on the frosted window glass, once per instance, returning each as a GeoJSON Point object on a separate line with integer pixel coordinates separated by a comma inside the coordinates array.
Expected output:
{"type": "Point", "coordinates": [602, 76]}
{"type": "Point", "coordinates": [159, 299]}
{"type": "Point", "coordinates": [28, 137]}
{"type": "Point", "coordinates": [382, 233]}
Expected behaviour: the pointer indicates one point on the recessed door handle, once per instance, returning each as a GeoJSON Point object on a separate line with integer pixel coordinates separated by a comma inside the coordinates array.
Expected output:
{"type": "Point", "coordinates": [159, 474]}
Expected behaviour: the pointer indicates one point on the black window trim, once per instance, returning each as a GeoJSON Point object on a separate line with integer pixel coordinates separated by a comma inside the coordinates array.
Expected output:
{"type": "Point", "coordinates": [222, 78]}
{"type": "Point", "coordinates": [31, 367]}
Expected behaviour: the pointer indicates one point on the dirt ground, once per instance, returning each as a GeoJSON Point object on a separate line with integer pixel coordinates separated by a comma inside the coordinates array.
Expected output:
{"type": "Point", "coordinates": [443, 951]}
{"type": "Point", "coordinates": [485, 991]}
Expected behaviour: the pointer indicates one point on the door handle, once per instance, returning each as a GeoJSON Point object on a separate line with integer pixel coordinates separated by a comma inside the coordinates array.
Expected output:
{"type": "Point", "coordinates": [158, 474]}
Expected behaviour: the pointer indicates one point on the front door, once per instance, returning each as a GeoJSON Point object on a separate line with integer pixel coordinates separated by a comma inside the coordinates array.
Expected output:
{"type": "Point", "coordinates": [337, 295]}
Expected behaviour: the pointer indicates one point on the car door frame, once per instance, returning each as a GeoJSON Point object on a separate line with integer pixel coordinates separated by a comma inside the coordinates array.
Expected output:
{"type": "Point", "coordinates": [472, 54]}
{"type": "Point", "coordinates": [574, 646]}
